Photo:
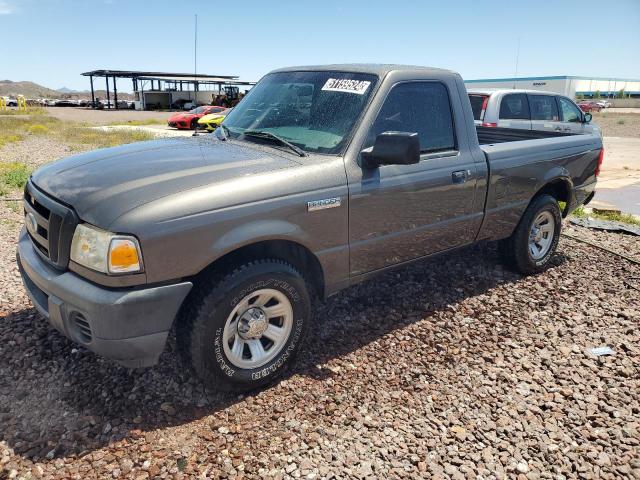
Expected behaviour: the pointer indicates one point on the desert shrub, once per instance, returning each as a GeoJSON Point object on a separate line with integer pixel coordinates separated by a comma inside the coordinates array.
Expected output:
{"type": "Point", "coordinates": [38, 129]}
{"type": "Point", "coordinates": [13, 176]}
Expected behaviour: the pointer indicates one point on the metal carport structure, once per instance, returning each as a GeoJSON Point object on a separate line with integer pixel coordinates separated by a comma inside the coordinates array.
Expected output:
{"type": "Point", "coordinates": [139, 78]}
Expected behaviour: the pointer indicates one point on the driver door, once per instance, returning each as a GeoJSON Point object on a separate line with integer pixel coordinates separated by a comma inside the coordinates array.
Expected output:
{"type": "Point", "coordinates": [401, 212]}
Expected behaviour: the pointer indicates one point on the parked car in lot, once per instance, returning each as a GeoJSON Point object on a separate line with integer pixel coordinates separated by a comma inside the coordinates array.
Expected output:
{"type": "Point", "coordinates": [182, 104]}
{"type": "Point", "coordinates": [322, 177]}
{"type": "Point", "coordinates": [212, 120]}
{"type": "Point", "coordinates": [66, 103]}
{"type": "Point", "coordinates": [10, 102]}
{"type": "Point", "coordinates": [604, 103]}
{"type": "Point", "coordinates": [528, 110]}
{"type": "Point", "coordinates": [96, 104]}
{"type": "Point", "coordinates": [589, 106]}
{"type": "Point", "coordinates": [189, 120]}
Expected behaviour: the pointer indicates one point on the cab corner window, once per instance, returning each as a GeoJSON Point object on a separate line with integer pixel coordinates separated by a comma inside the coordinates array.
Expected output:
{"type": "Point", "coordinates": [418, 107]}
{"type": "Point", "coordinates": [514, 107]}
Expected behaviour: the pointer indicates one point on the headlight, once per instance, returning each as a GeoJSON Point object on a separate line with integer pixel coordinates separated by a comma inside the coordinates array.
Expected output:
{"type": "Point", "coordinates": [104, 251]}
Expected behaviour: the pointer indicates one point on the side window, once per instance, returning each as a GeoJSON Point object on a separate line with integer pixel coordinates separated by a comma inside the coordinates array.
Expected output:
{"type": "Point", "coordinates": [570, 113]}
{"type": "Point", "coordinates": [514, 106]}
{"type": "Point", "coordinates": [543, 107]}
{"type": "Point", "coordinates": [420, 107]}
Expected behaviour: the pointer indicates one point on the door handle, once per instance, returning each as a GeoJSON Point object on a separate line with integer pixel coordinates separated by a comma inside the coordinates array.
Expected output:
{"type": "Point", "coordinates": [460, 176]}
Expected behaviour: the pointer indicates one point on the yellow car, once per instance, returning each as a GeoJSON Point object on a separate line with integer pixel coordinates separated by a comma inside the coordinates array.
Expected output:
{"type": "Point", "coordinates": [213, 120]}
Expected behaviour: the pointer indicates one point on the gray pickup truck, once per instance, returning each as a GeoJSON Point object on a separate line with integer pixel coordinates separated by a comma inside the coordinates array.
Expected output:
{"type": "Point", "coordinates": [320, 178]}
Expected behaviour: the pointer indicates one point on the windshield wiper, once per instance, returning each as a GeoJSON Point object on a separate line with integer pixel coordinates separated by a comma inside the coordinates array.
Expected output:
{"type": "Point", "coordinates": [273, 136]}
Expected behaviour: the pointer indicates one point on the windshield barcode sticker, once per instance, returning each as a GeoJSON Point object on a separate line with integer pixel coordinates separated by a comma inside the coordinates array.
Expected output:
{"type": "Point", "coordinates": [346, 85]}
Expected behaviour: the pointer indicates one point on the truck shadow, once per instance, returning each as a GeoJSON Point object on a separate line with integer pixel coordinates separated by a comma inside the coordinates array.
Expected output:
{"type": "Point", "coordinates": [57, 399]}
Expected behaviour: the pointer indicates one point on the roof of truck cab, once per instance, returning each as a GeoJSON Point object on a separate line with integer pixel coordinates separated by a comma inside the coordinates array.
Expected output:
{"type": "Point", "coordinates": [372, 68]}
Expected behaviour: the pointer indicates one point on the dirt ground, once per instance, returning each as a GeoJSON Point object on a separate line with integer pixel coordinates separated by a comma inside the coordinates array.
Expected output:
{"type": "Point", "coordinates": [618, 124]}
{"type": "Point", "coordinates": [104, 117]}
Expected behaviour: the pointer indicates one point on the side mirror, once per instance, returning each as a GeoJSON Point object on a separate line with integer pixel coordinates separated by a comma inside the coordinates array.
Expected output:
{"type": "Point", "coordinates": [587, 117]}
{"type": "Point", "coordinates": [392, 148]}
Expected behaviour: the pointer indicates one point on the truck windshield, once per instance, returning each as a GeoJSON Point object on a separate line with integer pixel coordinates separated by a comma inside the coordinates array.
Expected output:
{"type": "Point", "coordinates": [315, 111]}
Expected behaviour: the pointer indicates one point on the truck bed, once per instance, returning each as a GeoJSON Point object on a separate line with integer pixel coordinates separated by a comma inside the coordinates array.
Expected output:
{"type": "Point", "coordinates": [492, 135]}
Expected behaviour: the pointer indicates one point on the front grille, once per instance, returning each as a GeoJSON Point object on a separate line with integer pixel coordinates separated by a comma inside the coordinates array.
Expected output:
{"type": "Point", "coordinates": [50, 225]}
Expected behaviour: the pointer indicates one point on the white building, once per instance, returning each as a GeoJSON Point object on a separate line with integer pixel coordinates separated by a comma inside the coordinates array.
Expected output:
{"type": "Point", "coordinates": [566, 85]}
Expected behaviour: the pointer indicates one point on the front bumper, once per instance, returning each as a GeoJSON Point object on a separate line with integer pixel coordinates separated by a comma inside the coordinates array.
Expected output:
{"type": "Point", "coordinates": [129, 326]}
{"type": "Point", "coordinates": [180, 124]}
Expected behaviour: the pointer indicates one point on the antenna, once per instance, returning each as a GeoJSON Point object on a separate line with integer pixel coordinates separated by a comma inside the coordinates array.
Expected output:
{"type": "Point", "coordinates": [515, 76]}
{"type": "Point", "coordinates": [195, 70]}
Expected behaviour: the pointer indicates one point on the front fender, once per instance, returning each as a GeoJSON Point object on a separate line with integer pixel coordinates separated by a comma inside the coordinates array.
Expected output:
{"type": "Point", "coordinates": [256, 232]}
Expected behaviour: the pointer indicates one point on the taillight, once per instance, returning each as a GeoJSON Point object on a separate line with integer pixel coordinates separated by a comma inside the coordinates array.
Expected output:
{"type": "Point", "coordinates": [600, 159]}
{"type": "Point", "coordinates": [490, 125]}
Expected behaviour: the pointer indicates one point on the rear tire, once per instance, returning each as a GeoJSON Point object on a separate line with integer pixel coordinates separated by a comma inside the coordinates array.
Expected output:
{"type": "Point", "coordinates": [530, 248]}
{"type": "Point", "coordinates": [242, 330]}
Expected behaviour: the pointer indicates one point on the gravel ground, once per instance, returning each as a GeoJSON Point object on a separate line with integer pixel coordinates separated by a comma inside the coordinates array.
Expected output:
{"type": "Point", "coordinates": [36, 150]}
{"type": "Point", "coordinates": [453, 368]}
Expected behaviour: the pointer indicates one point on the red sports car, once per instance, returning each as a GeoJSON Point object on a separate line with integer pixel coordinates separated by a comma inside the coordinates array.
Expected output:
{"type": "Point", "coordinates": [189, 120]}
{"type": "Point", "coordinates": [588, 106]}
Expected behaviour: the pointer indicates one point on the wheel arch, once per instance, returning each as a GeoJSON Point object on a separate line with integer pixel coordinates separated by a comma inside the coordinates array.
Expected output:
{"type": "Point", "coordinates": [560, 188]}
{"type": "Point", "coordinates": [295, 253]}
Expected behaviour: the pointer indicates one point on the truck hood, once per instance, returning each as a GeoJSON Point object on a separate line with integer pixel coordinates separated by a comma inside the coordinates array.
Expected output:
{"type": "Point", "coordinates": [104, 184]}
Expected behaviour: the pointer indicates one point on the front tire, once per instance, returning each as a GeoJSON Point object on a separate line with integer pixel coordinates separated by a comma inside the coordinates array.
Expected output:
{"type": "Point", "coordinates": [530, 248]}
{"type": "Point", "coordinates": [242, 330]}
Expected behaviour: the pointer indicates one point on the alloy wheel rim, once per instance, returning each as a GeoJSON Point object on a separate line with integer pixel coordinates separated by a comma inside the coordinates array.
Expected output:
{"type": "Point", "coordinates": [541, 235]}
{"type": "Point", "coordinates": [257, 328]}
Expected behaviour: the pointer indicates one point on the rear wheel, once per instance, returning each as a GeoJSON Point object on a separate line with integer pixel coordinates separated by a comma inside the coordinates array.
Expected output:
{"type": "Point", "coordinates": [194, 124]}
{"type": "Point", "coordinates": [243, 330]}
{"type": "Point", "coordinates": [536, 237]}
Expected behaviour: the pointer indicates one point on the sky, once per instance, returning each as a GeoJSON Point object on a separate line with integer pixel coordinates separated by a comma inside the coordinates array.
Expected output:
{"type": "Point", "coordinates": [51, 42]}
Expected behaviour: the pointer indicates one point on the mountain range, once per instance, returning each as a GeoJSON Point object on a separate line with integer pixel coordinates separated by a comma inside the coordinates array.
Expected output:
{"type": "Point", "coordinates": [9, 88]}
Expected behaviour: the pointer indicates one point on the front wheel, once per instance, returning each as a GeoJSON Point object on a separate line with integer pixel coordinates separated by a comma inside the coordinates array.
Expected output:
{"type": "Point", "coordinates": [243, 330]}
{"type": "Point", "coordinates": [535, 239]}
